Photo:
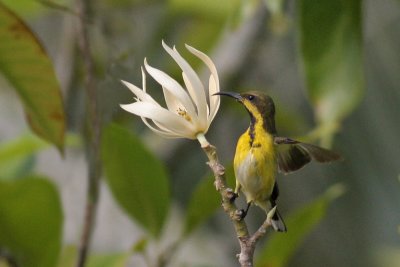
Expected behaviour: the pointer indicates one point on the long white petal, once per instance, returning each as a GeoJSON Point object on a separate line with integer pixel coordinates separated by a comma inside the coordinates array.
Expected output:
{"type": "Point", "coordinates": [167, 131]}
{"type": "Point", "coordinates": [172, 103]}
{"type": "Point", "coordinates": [196, 90]}
{"type": "Point", "coordinates": [160, 131]}
{"type": "Point", "coordinates": [198, 120]}
{"type": "Point", "coordinates": [207, 60]}
{"type": "Point", "coordinates": [214, 99]}
{"type": "Point", "coordinates": [143, 79]}
{"type": "Point", "coordinates": [168, 119]}
{"type": "Point", "coordinates": [173, 86]}
{"type": "Point", "coordinates": [142, 95]}
{"type": "Point", "coordinates": [213, 83]}
{"type": "Point", "coordinates": [161, 126]}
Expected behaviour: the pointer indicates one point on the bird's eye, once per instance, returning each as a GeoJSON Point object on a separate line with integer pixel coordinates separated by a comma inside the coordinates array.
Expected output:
{"type": "Point", "coordinates": [250, 97]}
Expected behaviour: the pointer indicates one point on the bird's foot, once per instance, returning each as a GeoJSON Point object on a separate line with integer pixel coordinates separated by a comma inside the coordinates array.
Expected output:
{"type": "Point", "coordinates": [231, 195]}
{"type": "Point", "coordinates": [240, 214]}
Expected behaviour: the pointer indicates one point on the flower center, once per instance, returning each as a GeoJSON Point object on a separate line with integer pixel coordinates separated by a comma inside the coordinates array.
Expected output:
{"type": "Point", "coordinates": [183, 113]}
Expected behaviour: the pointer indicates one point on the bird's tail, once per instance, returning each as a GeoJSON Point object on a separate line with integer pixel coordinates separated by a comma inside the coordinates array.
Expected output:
{"type": "Point", "coordinates": [277, 222]}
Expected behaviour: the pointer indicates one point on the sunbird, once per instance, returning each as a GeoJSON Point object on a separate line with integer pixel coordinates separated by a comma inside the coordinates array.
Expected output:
{"type": "Point", "coordinates": [260, 153]}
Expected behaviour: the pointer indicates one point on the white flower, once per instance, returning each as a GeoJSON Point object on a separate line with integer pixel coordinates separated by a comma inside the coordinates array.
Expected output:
{"type": "Point", "coordinates": [189, 111]}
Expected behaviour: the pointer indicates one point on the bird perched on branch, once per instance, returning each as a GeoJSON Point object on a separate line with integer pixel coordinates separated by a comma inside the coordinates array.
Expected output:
{"type": "Point", "coordinates": [260, 153]}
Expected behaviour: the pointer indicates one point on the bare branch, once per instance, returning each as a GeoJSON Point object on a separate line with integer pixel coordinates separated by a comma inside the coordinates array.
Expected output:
{"type": "Point", "coordinates": [247, 243]}
{"type": "Point", "coordinates": [94, 134]}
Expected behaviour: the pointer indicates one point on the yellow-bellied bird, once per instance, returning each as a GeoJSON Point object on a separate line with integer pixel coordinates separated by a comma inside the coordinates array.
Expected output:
{"type": "Point", "coordinates": [260, 153]}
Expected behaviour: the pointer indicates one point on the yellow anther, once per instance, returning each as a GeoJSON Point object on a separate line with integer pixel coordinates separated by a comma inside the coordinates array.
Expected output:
{"type": "Point", "coordinates": [183, 113]}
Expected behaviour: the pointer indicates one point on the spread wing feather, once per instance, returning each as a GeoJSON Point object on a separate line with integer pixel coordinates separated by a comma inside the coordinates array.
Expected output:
{"type": "Point", "coordinates": [293, 155]}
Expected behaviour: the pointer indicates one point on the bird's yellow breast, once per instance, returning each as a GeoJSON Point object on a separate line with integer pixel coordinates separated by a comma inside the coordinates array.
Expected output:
{"type": "Point", "coordinates": [255, 165]}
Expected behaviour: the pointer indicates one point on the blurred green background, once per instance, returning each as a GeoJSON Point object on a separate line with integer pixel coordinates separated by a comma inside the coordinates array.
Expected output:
{"type": "Point", "coordinates": [339, 88]}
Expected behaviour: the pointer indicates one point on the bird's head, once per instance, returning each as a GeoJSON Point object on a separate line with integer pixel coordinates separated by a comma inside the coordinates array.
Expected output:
{"type": "Point", "coordinates": [259, 105]}
{"type": "Point", "coordinates": [254, 101]}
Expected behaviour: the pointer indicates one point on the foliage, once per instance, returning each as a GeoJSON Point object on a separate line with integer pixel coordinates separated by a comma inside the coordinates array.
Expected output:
{"type": "Point", "coordinates": [69, 254]}
{"type": "Point", "coordinates": [332, 56]}
{"type": "Point", "coordinates": [17, 156]}
{"type": "Point", "coordinates": [204, 201]}
{"type": "Point", "coordinates": [31, 221]}
{"type": "Point", "coordinates": [37, 86]}
{"type": "Point", "coordinates": [137, 179]}
{"type": "Point", "coordinates": [280, 248]}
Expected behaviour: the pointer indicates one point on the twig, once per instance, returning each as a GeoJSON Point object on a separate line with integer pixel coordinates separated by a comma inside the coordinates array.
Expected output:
{"type": "Point", "coordinates": [247, 243]}
{"type": "Point", "coordinates": [94, 135]}
{"type": "Point", "coordinates": [165, 257]}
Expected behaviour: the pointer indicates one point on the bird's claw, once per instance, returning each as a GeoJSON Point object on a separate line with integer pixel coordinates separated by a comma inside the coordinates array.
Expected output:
{"type": "Point", "coordinates": [232, 195]}
{"type": "Point", "coordinates": [240, 214]}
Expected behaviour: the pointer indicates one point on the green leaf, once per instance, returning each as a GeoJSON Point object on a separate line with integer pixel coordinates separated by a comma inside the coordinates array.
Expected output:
{"type": "Point", "coordinates": [331, 50]}
{"type": "Point", "coordinates": [31, 221]}
{"type": "Point", "coordinates": [25, 64]}
{"type": "Point", "coordinates": [108, 260]}
{"type": "Point", "coordinates": [68, 257]}
{"type": "Point", "coordinates": [17, 155]}
{"type": "Point", "coordinates": [279, 249]}
{"type": "Point", "coordinates": [140, 245]}
{"type": "Point", "coordinates": [136, 178]}
{"type": "Point", "coordinates": [210, 9]}
{"type": "Point", "coordinates": [70, 253]}
{"type": "Point", "coordinates": [279, 23]}
{"type": "Point", "coordinates": [207, 32]}
{"type": "Point", "coordinates": [204, 202]}
{"type": "Point", "coordinates": [26, 8]}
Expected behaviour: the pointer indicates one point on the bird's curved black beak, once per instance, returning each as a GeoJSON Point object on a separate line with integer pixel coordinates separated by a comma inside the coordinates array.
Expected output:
{"type": "Point", "coordinates": [234, 95]}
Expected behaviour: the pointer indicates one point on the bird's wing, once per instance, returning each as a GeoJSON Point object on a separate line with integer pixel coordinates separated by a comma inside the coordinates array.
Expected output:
{"type": "Point", "coordinates": [293, 155]}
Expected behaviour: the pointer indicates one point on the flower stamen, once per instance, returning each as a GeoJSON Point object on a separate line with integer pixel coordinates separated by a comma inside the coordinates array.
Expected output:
{"type": "Point", "coordinates": [183, 113]}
